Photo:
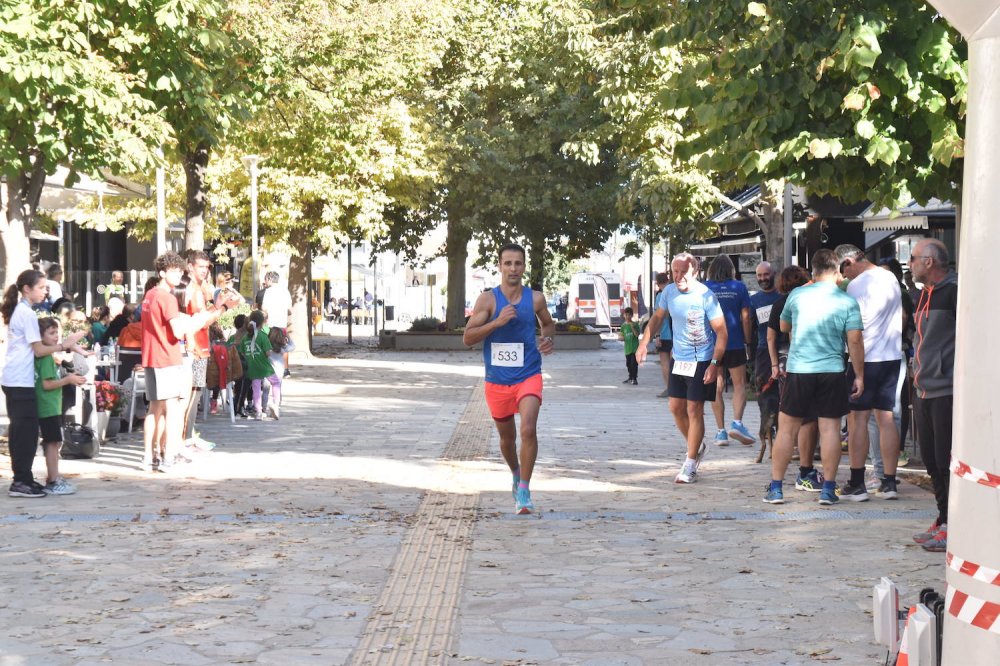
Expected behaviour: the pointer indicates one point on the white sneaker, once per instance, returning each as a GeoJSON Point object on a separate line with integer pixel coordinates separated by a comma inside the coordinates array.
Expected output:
{"type": "Point", "coordinates": [274, 412]}
{"type": "Point", "coordinates": [702, 450]}
{"type": "Point", "coordinates": [688, 473]}
{"type": "Point", "coordinates": [59, 487]}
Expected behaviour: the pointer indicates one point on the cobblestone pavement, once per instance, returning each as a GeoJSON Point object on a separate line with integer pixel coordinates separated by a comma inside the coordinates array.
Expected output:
{"type": "Point", "coordinates": [373, 524]}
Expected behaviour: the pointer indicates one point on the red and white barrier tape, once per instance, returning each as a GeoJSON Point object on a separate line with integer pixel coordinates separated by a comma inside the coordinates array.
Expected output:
{"type": "Point", "coordinates": [982, 477]}
{"type": "Point", "coordinates": [977, 612]}
{"type": "Point", "coordinates": [977, 571]}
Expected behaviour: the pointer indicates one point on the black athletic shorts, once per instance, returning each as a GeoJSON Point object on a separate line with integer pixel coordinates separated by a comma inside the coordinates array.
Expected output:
{"type": "Point", "coordinates": [881, 380]}
{"type": "Point", "coordinates": [734, 358]}
{"type": "Point", "coordinates": [51, 427]}
{"type": "Point", "coordinates": [664, 346]}
{"type": "Point", "coordinates": [691, 388]}
{"type": "Point", "coordinates": [817, 394]}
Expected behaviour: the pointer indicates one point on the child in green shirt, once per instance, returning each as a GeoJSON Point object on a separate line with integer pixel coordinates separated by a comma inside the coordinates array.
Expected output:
{"type": "Point", "coordinates": [48, 392]}
{"type": "Point", "coordinates": [254, 347]}
{"type": "Point", "coordinates": [629, 332]}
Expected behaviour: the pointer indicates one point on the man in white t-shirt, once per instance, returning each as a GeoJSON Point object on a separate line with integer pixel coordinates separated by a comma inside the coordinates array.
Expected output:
{"type": "Point", "coordinates": [276, 303]}
{"type": "Point", "coordinates": [877, 293]}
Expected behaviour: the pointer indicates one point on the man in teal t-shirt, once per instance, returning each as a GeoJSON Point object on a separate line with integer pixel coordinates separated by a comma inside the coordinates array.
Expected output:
{"type": "Point", "coordinates": [820, 319]}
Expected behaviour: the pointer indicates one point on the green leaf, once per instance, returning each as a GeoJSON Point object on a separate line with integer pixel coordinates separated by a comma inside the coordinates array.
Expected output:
{"type": "Point", "coordinates": [865, 128]}
{"type": "Point", "coordinates": [854, 101]}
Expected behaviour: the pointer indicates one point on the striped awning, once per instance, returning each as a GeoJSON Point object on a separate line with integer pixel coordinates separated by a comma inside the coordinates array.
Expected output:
{"type": "Point", "coordinates": [732, 246]}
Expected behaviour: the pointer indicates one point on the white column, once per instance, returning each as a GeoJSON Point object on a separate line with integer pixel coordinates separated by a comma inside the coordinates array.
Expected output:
{"type": "Point", "coordinates": [974, 509]}
{"type": "Point", "coordinates": [251, 163]}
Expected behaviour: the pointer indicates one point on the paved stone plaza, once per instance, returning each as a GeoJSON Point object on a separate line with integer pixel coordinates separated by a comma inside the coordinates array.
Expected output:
{"type": "Point", "coordinates": [373, 525]}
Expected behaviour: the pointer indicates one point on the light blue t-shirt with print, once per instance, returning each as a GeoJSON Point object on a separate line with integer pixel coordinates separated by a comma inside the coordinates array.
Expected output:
{"type": "Point", "coordinates": [821, 314]}
{"type": "Point", "coordinates": [661, 304]}
{"type": "Point", "coordinates": [690, 313]}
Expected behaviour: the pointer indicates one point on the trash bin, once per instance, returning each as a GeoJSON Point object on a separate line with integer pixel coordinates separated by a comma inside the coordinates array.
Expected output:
{"type": "Point", "coordinates": [390, 312]}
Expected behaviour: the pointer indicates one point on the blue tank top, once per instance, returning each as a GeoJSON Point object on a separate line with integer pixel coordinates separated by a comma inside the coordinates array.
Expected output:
{"type": "Point", "coordinates": [519, 330]}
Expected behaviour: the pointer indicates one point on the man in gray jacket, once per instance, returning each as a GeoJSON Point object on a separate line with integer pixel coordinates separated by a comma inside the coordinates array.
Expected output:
{"type": "Point", "coordinates": [933, 375]}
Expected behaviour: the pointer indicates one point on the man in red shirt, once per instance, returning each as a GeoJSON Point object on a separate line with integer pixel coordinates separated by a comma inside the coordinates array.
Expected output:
{"type": "Point", "coordinates": [167, 380]}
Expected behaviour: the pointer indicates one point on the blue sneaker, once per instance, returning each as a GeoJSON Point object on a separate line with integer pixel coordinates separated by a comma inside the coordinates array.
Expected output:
{"type": "Point", "coordinates": [721, 438]}
{"type": "Point", "coordinates": [812, 482]}
{"type": "Point", "coordinates": [828, 496]}
{"type": "Point", "coordinates": [774, 495]}
{"type": "Point", "coordinates": [739, 432]}
{"type": "Point", "coordinates": [523, 505]}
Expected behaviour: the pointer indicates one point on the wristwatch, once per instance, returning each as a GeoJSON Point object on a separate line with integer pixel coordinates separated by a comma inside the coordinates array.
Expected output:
{"type": "Point", "coordinates": [548, 338]}
{"type": "Point", "coordinates": [714, 362]}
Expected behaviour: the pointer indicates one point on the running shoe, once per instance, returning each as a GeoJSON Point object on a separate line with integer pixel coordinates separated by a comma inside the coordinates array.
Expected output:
{"type": "Point", "coordinates": [828, 496]}
{"type": "Point", "coordinates": [523, 505]}
{"type": "Point", "coordinates": [688, 473]}
{"type": "Point", "coordinates": [258, 415]}
{"type": "Point", "coordinates": [721, 438]}
{"type": "Point", "coordinates": [19, 489]}
{"type": "Point", "coordinates": [853, 493]}
{"type": "Point", "coordinates": [627, 381]}
{"type": "Point", "coordinates": [702, 450]}
{"type": "Point", "coordinates": [274, 411]}
{"type": "Point", "coordinates": [665, 393]}
{"type": "Point", "coordinates": [774, 495]}
{"type": "Point", "coordinates": [739, 432]}
{"type": "Point", "coordinates": [939, 543]}
{"type": "Point", "coordinates": [812, 482]}
{"type": "Point", "coordinates": [198, 443]}
{"type": "Point", "coordinates": [872, 480]}
{"type": "Point", "coordinates": [59, 487]}
{"type": "Point", "coordinates": [887, 490]}
{"type": "Point", "coordinates": [924, 537]}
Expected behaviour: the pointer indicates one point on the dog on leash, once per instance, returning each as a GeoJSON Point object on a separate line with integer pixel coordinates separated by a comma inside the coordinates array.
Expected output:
{"type": "Point", "coordinates": [767, 401]}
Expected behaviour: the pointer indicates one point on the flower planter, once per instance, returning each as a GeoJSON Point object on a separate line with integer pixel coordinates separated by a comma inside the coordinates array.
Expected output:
{"type": "Point", "coordinates": [114, 427]}
{"type": "Point", "coordinates": [452, 341]}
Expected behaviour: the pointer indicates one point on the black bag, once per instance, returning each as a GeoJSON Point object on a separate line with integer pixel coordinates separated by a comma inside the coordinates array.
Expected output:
{"type": "Point", "coordinates": [79, 441]}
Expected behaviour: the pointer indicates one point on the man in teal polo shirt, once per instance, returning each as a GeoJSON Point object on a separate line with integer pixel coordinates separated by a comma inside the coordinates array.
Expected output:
{"type": "Point", "coordinates": [819, 318]}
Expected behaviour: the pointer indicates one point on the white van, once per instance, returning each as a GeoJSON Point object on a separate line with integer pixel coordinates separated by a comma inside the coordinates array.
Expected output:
{"type": "Point", "coordinates": [596, 299]}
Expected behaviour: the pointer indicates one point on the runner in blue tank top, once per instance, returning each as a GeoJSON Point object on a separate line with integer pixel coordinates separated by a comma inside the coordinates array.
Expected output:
{"type": "Point", "coordinates": [504, 320]}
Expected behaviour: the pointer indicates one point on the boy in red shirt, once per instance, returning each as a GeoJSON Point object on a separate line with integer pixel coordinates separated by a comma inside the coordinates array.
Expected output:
{"type": "Point", "coordinates": [167, 380]}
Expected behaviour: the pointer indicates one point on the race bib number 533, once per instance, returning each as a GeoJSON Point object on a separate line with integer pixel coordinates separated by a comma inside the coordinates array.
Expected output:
{"type": "Point", "coordinates": [507, 354]}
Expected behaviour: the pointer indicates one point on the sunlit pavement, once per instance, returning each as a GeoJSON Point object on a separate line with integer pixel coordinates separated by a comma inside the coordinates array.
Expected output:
{"type": "Point", "coordinates": [373, 524]}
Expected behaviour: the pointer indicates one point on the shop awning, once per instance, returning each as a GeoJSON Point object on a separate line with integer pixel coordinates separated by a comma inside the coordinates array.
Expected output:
{"type": "Point", "coordinates": [896, 223]}
{"type": "Point", "coordinates": [733, 246]}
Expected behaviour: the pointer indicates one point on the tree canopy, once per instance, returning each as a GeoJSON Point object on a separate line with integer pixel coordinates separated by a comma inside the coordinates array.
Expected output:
{"type": "Point", "coordinates": [553, 122]}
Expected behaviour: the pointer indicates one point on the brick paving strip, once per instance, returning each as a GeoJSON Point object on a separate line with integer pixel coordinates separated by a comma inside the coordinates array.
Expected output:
{"type": "Point", "coordinates": [413, 620]}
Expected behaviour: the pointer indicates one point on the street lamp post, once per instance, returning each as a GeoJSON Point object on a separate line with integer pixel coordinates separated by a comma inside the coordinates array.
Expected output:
{"type": "Point", "coordinates": [161, 208]}
{"type": "Point", "coordinates": [251, 164]}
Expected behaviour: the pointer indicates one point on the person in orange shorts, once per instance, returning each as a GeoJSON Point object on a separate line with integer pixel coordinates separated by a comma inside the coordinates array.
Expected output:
{"type": "Point", "coordinates": [504, 320]}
